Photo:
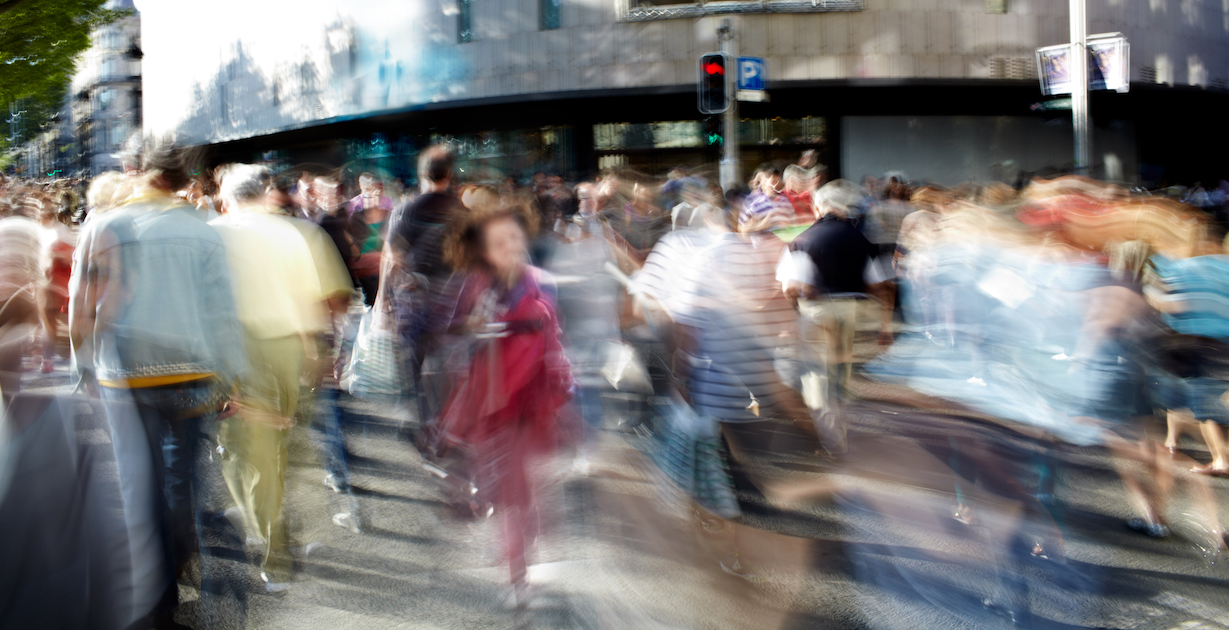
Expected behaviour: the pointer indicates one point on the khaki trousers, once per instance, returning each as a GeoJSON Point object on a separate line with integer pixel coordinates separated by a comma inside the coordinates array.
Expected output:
{"type": "Point", "coordinates": [255, 442]}
{"type": "Point", "coordinates": [828, 328]}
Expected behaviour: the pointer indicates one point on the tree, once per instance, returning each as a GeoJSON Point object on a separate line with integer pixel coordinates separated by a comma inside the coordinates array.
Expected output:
{"type": "Point", "coordinates": [40, 42]}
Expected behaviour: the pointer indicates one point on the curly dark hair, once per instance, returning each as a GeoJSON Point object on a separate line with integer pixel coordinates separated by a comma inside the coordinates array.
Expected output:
{"type": "Point", "coordinates": [463, 238]}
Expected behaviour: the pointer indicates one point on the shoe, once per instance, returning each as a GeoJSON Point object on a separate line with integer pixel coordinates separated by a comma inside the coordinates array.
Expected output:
{"type": "Point", "coordinates": [1155, 530]}
{"type": "Point", "coordinates": [235, 516]}
{"type": "Point", "coordinates": [735, 568]}
{"type": "Point", "coordinates": [519, 596]}
{"type": "Point", "coordinates": [347, 521]}
{"type": "Point", "coordinates": [330, 482]}
{"type": "Point", "coordinates": [964, 514]}
{"type": "Point", "coordinates": [1210, 471]}
{"type": "Point", "coordinates": [48, 366]}
{"type": "Point", "coordinates": [274, 587]}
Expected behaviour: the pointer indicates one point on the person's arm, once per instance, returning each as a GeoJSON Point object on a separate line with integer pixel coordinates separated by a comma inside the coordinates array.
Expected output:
{"type": "Point", "coordinates": [881, 287]}
{"type": "Point", "coordinates": [86, 285]}
{"type": "Point", "coordinates": [220, 317]}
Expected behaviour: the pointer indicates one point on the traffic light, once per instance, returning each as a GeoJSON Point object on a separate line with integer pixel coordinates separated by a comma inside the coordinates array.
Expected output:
{"type": "Point", "coordinates": [714, 83]}
{"type": "Point", "coordinates": [714, 136]}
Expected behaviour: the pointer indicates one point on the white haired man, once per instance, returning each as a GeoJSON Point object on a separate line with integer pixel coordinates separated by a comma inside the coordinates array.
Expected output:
{"type": "Point", "coordinates": [843, 272]}
{"type": "Point", "coordinates": [280, 296]}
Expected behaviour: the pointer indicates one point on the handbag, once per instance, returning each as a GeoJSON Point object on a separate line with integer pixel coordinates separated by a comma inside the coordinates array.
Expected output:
{"type": "Point", "coordinates": [374, 369]}
{"type": "Point", "coordinates": [689, 455]}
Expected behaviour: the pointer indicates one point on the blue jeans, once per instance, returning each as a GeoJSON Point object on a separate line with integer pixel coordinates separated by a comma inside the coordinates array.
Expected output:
{"type": "Point", "coordinates": [330, 421]}
{"type": "Point", "coordinates": [156, 448]}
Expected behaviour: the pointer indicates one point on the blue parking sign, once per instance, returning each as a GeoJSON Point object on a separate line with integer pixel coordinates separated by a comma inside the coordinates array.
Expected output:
{"type": "Point", "coordinates": [751, 73]}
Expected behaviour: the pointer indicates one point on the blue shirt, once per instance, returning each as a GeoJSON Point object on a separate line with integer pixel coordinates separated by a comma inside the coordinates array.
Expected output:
{"type": "Point", "coordinates": [1201, 285]}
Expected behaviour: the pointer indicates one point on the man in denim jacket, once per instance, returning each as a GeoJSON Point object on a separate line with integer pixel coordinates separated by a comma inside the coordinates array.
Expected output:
{"type": "Point", "coordinates": [152, 320]}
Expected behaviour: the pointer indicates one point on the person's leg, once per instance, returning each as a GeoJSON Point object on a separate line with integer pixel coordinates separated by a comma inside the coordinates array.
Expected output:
{"type": "Point", "coordinates": [329, 421]}
{"type": "Point", "coordinates": [236, 473]}
{"type": "Point", "coordinates": [180, 440]}
{"type": "Point", "coordinates": [514, 499]}
{"type": "Point", "coordinates": [1214, 435]}
{"type": "Point", "coordinates": [268, 451]}
{"type": "Point", "coordinates": [815, 341]}
{"type": "Point", "coordinates": [47, 328]}
{"type": "Point", "coordinates": [1177, 422]}
{"type": "Point", "coordinates": [138, 473]}
{"type": "Point", "coordinates": [846, 326]}
{"type": "Point", "coordinates": [266, 456]}
{"type": "Point", "coordinates": [17, 318]}
{"type": "Point", "coordinates": [589, 399]}
{"type": "Point", "coordinates": [1128, 459]}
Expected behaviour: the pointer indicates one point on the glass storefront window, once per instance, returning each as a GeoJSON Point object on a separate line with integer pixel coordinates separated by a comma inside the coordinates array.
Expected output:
{"type": "Point", "coordinates": [658, 135]}
{"type": "Point", "coordinates": [689, 133]}
{"type": "Point", "coordinates": [809, 130]}
{"type": "Point", "coordinates": [491, 156]}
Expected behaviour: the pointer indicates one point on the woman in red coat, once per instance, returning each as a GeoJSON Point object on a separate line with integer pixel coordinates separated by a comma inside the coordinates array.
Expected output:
{"type": "Point", "coordinates": [504, 408]}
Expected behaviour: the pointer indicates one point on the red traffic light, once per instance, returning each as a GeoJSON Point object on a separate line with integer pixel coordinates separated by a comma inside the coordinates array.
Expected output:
{"type": "Point", "coordinates": [712, 86]}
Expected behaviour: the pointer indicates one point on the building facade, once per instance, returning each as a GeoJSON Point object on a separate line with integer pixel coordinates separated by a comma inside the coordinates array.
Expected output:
{"type": "Point", "coordinates": [105, 96]}
{"type": "Point", "coordinates": [939, 89]}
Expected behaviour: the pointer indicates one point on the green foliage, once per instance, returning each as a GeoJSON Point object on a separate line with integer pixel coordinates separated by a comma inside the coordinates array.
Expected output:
{"type": "Point", "coordinates": [40, 42]}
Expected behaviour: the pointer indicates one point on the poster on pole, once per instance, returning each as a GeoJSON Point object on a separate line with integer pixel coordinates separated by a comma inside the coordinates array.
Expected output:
{"type": "Point", "coordinates": [1109, 62]}
{"type": "Point", "coordinates": [1053, 69]}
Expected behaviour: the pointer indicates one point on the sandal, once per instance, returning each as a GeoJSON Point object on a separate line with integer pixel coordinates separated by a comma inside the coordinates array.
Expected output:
{"type": "Point", "coordinates": [1210, 471]}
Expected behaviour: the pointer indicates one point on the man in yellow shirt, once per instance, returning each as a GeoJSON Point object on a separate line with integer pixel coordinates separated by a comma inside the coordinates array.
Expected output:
{"type": "Point", "coordinates": [281, 299]}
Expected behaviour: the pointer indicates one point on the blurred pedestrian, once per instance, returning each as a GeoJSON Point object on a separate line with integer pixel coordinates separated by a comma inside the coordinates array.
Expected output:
{"type": "Point", "coordinates": [57, 243]}
{"type": "Point", "coordinates": [505, 409]}
{"type": "Point", "coordinates": [368, 223]}
{"type": "Point", "coordinates": [21, 281]}
{"type": "Point", "coordinates": [281, 305]}
{"type": "Point", "coordinates": [843, 264]}
{"type": "Point", "coordinates": [766, 203]}
{"type": "Point", "coordinates": [152, 321]}
{"type": "Point", "coordinates": [417, 272]}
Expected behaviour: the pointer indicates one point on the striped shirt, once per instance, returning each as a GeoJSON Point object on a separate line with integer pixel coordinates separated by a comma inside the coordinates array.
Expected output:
{"type": "Point", "coordinates": [1201, 285]}
{"type": "Point", "coordinates": [724, 285]}
{"type": "Point", "coordinates": [777, 209]}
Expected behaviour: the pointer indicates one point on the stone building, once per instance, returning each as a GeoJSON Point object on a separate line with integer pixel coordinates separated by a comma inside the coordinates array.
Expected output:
{"type": "Point", "coordinates": [105, 96]}
{"type": "Point", "coordinates": [945, 90]}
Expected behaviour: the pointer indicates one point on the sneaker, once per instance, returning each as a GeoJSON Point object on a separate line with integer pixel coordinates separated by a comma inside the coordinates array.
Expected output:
{"type": "Point", "coordinates": [330, 482]}
{"type": "Point", "coordinates": [274, 587]}
{"type": "Point", "coordinates": [347, 521]}
{"type": "Point", "coordinates": [1155, 530]}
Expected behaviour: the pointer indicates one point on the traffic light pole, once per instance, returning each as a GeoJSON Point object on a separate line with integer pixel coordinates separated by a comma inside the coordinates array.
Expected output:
{"type": "Point", "coordinates": [728, 170]}
{"type": "Point", "coordinates": [1078, 67]}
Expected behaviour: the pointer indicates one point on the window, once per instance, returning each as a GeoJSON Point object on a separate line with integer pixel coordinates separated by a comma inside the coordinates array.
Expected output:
{"type": "Point", "coordinates": [118, 131]}
{"type": "Point", "coordinates": [811, 130]}
{"type": "Point", "coordinates": [105, 98]}
{"type": "Point", "coordinates": [657, 135]}
{"type": "Point", "coordinates": [641, 10]}
{"type": "Point", "coordinates": [110, 68]}
{"type": "Point", "coordinates": [465, 29]}
{"type": "Point", "coordinates": [548, 14]}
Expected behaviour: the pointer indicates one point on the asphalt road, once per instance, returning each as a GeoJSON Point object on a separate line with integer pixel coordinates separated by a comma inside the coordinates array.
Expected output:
{"type": "Point", "coordinates": [867, 541]}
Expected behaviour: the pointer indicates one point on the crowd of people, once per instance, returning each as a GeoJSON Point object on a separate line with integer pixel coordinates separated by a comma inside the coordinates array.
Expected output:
{"type": "Point", "coordinates": [212, 311]}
